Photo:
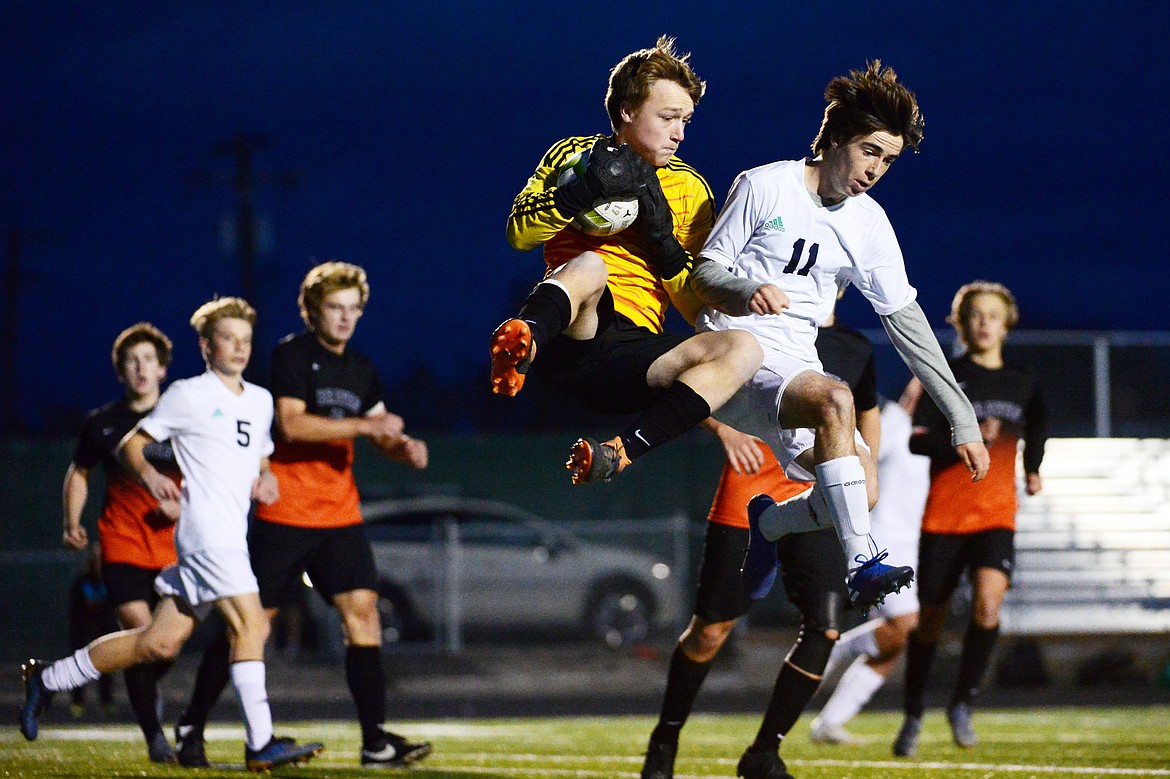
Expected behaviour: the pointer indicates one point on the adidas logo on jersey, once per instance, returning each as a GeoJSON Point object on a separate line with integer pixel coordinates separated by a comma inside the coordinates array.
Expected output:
{"type": "Point", "coordinates": [217, 413]}
{"type": "Point", "coordinates": [775, 223]}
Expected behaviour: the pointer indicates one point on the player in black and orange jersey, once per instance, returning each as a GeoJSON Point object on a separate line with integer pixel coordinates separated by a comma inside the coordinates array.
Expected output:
{"type": "Point", "coordinates": [137, 539]}
{"type": "Point", "coordinates": [326, 395]}
{"type": "Point", "coordinates": [594, 325]}
{"type": "Point", "coordinates": [814, 573]}
{"type": "Point", "coordinates": [971, 527]}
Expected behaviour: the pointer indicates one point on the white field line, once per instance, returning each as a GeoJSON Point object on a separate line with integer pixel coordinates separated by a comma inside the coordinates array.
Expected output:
{"type": "Point", "coordinates": [461, 760]}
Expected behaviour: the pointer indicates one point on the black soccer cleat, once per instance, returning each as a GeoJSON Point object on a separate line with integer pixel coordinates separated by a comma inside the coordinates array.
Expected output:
{"type": "Point", "coordinates": [395, 752]}
{"type": "Point", "coordinates": [189, 746]}
{"type": "Point", "coordinates": [590, 461]}
{"type": "Point", "coordinates": [762, 764]}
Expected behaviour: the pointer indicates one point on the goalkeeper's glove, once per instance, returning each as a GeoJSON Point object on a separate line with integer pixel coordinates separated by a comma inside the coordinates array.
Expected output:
{"type": "Point", "coordinates": [611, 172]}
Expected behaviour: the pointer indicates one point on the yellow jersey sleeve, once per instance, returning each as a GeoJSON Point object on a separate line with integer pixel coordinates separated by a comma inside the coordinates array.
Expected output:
{"type": "Point", "coordinates": [638, 294]}
{"type": "Point", "coordinates": [535, 218]}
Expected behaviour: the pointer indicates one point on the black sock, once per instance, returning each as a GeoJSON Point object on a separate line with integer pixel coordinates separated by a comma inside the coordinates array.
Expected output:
{"type": "Point", "coordinates": [683, 681]}
{"type": "Point", "coordinates": [795, 686]}
{"type": "Point", "coordinates": [367, 685]}
{"type": "Point", "coordinates": [977, 647]}
{"type": "Point", "coordinates": [142, 690]}
{"type": "Point", "coordinates": [548, 311]}
{"type": "Point", "coordinates": [919, 659]}
{"type": "Point", "coordinates": [213, 675]}
{"type": "Point", "coordinates": [672, 412]}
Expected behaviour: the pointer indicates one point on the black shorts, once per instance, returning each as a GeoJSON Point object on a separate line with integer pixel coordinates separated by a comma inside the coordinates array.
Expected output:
{"type": "Point", "coordinates": [720, 596]}
{"type": "Point", "coordinates": [942, 559]}
{"type": "Point", "coordinates": [607, 373]}
{"type": "Point", "coordinates": [336, 559]}
{"type": "Point", "coordinates": [811, 565]}
{"type": "Point", "coordinates": [126, 583]}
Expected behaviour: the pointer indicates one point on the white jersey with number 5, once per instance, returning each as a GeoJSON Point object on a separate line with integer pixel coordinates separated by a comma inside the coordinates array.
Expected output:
{"type": "Point", "coordinates": [773, 230]}
{"type": "Point", "coordinates": [219, 439]}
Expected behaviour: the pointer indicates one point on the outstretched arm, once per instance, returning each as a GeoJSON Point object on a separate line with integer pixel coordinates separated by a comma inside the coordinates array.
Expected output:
{"type": "Point", "coordinates": [911, 335]}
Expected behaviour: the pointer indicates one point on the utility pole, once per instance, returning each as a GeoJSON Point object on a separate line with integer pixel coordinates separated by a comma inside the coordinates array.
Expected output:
{"type": "Point", "coordinates": [241, 147]}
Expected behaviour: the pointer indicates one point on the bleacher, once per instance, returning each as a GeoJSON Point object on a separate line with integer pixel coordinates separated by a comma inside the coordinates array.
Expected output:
{"type": "Point", "coordinates": [1093, 548]}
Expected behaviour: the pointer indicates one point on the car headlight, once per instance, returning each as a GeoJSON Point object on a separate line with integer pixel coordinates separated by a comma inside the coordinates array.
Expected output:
{"type": "Point", "coordinates": [660, 571]}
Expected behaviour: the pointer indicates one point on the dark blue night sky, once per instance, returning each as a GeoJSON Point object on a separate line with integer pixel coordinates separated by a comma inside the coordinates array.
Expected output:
{"type": "Point", "coordinates": [1044, 164]}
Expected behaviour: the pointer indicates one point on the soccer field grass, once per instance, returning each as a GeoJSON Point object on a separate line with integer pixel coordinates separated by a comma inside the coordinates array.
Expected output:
{"type": "Point", "coordinates": [1066, 742]}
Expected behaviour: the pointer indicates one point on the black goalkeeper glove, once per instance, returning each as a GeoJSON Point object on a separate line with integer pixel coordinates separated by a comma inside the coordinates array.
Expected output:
{"type": "Point", "coordinates": [667, 256]}
{"type": "Point", "coordinates": [611, 172]}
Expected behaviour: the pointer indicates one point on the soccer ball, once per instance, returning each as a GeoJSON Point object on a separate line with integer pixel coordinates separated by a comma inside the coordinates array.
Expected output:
{"type": "Point", "coordinates": [609, 215]}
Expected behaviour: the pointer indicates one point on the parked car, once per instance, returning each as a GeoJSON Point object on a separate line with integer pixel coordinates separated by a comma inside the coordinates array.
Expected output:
{"type": "Point", "coordinates": [514, 572]}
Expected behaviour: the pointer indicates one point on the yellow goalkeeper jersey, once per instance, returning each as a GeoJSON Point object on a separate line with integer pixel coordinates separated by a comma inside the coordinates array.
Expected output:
{"type": "Point", "coordinates": [638, 293]}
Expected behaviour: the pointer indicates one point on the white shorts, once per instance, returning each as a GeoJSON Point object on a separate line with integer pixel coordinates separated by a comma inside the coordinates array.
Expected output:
{"type": "Point", "coordinates": [204, 577]}
{"type": "Point", "coordinates": [755, 409]}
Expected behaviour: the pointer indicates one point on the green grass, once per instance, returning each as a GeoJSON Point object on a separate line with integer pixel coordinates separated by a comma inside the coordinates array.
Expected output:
{"type": "Point", "coordinates": [1066, 742]}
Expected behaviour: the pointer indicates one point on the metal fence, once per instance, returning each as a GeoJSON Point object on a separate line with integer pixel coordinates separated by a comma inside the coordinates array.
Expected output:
{"type": "Point", "coordinates": [1096, 383]}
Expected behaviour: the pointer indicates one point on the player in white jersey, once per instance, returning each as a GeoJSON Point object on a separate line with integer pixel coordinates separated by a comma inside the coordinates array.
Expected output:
{"type": "Point", "coordinates": [870, 651]}
{"type": "Point", "coordinates": [219, 427]}
{"type": "Point", "coordinates": [790, 234]}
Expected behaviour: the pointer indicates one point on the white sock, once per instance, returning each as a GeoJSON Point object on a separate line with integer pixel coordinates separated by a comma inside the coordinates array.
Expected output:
{"type": "Point", "coordinates": [790, 516]}
{"type": "Point", "coordinates": [248, 679]}
{"type": "Point", "coordinates": [853, 644]}
{"type": "Point", "coordinates": [842, 483]}
{"type": "Point", "coordinates": [70, 672]}
{"type": "Point", "coordinates": [857, 686]}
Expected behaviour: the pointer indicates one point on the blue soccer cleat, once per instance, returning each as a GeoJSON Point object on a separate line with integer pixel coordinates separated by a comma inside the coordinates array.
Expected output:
{"type": "Point", "coordinates": [280, 751]}
{"type": "Point", "coordinates": [872, 580]}
{"type": "Point", "coordinates": [36, 697]}
{"type": "Point", "coordinates": [760, 566]}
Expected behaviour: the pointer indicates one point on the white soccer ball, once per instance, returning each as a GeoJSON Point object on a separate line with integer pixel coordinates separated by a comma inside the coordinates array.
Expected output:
{"type": "Point", "coordinates": [609, 215]}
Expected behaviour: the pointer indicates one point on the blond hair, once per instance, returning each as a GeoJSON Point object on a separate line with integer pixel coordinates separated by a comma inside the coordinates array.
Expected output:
{"type": "Point", "coordinates": [326, 278]}
{"type": "Point", "coordinates": [961, 304]}
{"type": "Point", "coordinates": [207, 315]}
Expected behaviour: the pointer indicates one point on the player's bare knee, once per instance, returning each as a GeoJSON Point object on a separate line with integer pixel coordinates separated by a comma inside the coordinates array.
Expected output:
{"type": "Point", "coordinates": [744, 354]}
{"type": "Point", "coordinates": [157, 647]}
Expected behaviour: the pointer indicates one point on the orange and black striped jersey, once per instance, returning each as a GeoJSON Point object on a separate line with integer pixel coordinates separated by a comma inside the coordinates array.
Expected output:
{"type": "Point", "coordinates": [955, 504]}
{"type": "Point", "coordinates": [132, 529]}
{"type": "Point", "coordinates": [638, 294]}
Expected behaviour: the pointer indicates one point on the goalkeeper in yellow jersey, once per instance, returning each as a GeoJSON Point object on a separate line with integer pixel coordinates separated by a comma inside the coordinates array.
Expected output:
{"type": "Point", "coordinates": [594, 325]}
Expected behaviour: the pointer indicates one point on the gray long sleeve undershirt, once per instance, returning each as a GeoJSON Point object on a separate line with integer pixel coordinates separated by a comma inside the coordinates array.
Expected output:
{"type": "Point", "coordinates": [721, 289]}
{"type": "Point", "coordinates": [911, 335]}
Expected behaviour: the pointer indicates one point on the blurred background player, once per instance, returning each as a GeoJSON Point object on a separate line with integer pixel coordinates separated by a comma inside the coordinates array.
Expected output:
{"type": "Point", "coordinates": [594, 326]}
{"type": "Point", "coordinates": [813, 567]}
{"type": "Point", "coordinates": [869, 652]}
{"type": "Point", "coordinates": [90, 616]}
{"type": "Point", "coordinates": [790, 234]}
{"type": "Point", "coordinates": [219, 427]}
{"type": "Point", "coordinates": [137, 539]}
{"type": "Point", "coordinates": [327, 394]}
{"type": "Point", "coordinates": [969, 527]}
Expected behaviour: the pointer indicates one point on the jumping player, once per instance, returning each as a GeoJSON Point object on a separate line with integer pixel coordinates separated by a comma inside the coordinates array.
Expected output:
{"type": "Point", "coordinates": [594, 326]}
{"type": "Point", "coordinates": [137, 538]}
{"type": "Point", "coordinates": [790, 234]}
{"type": "Point", "coordinates": [965, 528]}
{"type": "Point", "coordinates": [218, 425]}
